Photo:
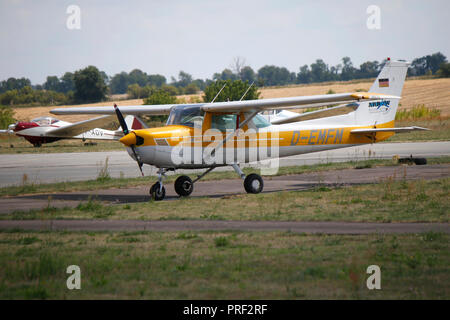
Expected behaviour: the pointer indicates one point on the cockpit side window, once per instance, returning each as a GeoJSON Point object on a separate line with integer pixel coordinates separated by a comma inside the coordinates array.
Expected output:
{"type": "Point", "coordinates": [223, 122]}
{"type": "Point", "coordinates": [186, 116]}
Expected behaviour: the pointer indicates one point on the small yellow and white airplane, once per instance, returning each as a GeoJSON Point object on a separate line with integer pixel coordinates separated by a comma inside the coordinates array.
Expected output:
{"type": "Point", "coordinates": [209, 135]}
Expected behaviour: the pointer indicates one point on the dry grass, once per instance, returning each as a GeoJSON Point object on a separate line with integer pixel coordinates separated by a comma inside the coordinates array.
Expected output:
{"type": "Point", "coordinates": [419, 112]}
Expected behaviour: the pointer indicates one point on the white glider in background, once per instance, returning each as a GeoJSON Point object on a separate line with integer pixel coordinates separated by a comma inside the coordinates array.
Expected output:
{"type": "Point", "coordinates": [48, 129]}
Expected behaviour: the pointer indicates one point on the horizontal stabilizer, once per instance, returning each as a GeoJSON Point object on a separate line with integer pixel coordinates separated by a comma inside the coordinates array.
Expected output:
{"type": "Point", "coordinates": [396, 130]}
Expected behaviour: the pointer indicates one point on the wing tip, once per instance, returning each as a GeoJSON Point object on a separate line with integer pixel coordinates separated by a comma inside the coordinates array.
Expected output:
{"type": "Point", "coordinates": [373, 96]}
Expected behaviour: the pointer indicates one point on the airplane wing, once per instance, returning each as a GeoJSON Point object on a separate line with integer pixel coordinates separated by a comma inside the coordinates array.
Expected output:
{"type": "Point", "coordinates": [82, 126]}
{"type": "Point", "coordinates": [333, 111]}
{"type": "Point", "coordinates": [301, 102]}
{"type": "Point", "coordinates": [5, 132]}
{"type": "Point", "coordinates": [396, 130]}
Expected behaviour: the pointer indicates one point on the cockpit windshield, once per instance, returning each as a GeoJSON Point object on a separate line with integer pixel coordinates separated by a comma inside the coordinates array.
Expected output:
{"type": "Point", "coordinates": [190, 116]}
{"type": "Point", "coordinates": [45, 121]}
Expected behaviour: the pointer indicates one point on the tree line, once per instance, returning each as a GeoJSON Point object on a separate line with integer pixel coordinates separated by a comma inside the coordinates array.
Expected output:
{"type": "Point", "coordinates": [92, 85]}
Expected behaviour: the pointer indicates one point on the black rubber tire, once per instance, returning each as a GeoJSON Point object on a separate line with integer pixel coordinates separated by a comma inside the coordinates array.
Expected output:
{"type": "Point", "coordinates": [155, 192]}
{"type": "Point", "coordinates": [420, 161]}
{"type": "Point", "coordinates": [183, 186]}
{"type": "Point", "coordinates": [253, 183]}
{"type": "Point", "coordinates": [411, 160]}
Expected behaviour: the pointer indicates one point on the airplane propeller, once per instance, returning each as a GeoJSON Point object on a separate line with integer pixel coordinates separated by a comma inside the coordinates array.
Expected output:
{"type": "Point", "coordinates": [125, 130]}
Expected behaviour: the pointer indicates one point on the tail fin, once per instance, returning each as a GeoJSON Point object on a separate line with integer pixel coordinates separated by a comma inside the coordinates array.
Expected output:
{"type": "Point", "coordinates": [389, 81]}
{"type": "Point", "coordinates": [134, 123]}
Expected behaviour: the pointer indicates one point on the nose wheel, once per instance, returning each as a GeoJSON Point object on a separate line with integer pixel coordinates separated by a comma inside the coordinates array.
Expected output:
{"type": "Point", "coordinates": [157, 191]}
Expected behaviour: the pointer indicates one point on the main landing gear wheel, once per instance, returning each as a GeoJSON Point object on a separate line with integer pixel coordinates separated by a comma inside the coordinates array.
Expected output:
{"type": "Point", "coordinates": [253, 183]}
{"type": "Point", "coordinates": [156, 192]}
{"type": "Point", "coordinates": [184, 186]}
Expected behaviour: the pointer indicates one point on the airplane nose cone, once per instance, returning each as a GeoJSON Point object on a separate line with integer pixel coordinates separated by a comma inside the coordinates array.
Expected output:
{"type": "Point", "coordinates": [128, 139]}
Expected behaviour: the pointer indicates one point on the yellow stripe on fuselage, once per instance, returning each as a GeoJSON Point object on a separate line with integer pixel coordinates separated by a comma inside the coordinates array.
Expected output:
{"type": "Point", "coordinates": [339, 135]}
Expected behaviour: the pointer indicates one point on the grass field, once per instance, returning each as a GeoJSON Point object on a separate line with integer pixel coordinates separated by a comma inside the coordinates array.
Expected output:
{"type": "Point", "coordinates": [222, 265]}
{"type": "Point", "coordinates": [388, 201]}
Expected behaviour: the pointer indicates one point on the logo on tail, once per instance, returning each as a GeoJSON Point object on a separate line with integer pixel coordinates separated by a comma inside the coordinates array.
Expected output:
{"type": "Point", "coordinates": [380, 106]}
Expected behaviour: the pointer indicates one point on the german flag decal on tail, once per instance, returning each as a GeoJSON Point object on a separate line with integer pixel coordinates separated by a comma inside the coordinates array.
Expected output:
{"type": "Point", "coordinates": [383, 83]}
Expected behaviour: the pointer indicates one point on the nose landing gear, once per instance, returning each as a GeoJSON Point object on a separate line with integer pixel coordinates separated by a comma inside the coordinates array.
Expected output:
{"type": "Point", "coordinates": [157, 191]}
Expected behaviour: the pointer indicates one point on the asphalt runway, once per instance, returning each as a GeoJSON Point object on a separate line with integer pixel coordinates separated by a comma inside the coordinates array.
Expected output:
{"type": "Point", "coordinates": [58, 167]}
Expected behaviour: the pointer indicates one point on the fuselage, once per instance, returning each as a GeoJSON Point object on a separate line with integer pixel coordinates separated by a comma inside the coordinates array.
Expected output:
{"type": "Point", "coordinates": [182, 146]}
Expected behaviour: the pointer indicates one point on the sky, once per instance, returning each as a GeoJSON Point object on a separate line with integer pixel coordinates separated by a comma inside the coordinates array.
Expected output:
{"type": "Point", "coordinates": [202, 37]}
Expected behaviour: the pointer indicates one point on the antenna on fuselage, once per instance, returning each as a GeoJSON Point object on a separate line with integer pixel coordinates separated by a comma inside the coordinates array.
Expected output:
{"type": "Point", "coordinates": [218, 93]}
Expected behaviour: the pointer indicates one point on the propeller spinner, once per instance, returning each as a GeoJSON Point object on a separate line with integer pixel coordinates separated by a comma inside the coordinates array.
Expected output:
{"type": "Point", "coordinates": [130, 139]}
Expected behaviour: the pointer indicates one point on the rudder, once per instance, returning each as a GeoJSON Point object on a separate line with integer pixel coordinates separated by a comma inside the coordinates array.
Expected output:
{"type": "Point", "coordinates": [390, 81]}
